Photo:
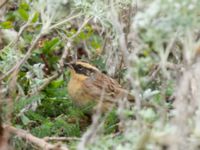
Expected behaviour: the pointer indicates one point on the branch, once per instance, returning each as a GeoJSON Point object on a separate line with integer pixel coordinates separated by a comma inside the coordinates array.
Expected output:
{"type": "Point", "coordinates": [3, 134]}
{"type": "Point", "coordinates": [27, 55]}
{"type": "Point", "coordinates": [64, 55]}
{"type": "Point", "coordinates": [56, 74]}
{"type": "Point", "coordinates": [61, 138]}
{"type": "Point", "coordinates": [3, 4]}
{"type": "Point", "coordinates": [81, 27]}
{"type": "Point", "coordinates": [64, 21]}
{"type": "Point", "coordinates": [35, 140]}
{"type": "Point", "coordinates": [119, 29]}
{"type": "Point", "coordinates": [47, 81]}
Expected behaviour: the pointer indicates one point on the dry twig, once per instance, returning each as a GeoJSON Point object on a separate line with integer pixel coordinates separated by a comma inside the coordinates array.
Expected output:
{"type": "Point", "coordinates": [35, 140]}
{"type": "Point", "coordinates": [3, 4]}
{"type": "Point", "coordinates": [61, 139]}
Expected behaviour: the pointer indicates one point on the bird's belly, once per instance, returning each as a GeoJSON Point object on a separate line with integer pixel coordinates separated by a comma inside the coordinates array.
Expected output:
{"type": "Point", "coordinates": [81, 98]}
{"type": "Point", "coordinates": [75, 91]}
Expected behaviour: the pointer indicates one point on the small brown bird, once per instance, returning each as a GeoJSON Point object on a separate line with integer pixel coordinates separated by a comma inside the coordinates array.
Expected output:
{"type": "Point", "coordinates": [88, 84]}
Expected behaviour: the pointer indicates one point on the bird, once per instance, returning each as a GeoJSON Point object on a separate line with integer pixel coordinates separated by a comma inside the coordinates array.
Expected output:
{"type": "Point", "coordinates": [87, 84]}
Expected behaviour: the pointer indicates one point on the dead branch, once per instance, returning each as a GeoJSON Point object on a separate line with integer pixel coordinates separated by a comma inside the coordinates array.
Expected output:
{"type": "Point", "coordinates": [64, 55]}
{"type": "Point", "coordinates": [3, 134]}
{"type": "Point", "coordinates": [3, 4]}
{"type": "Point", "coordinates": [64, 21]}
{"type": "Point", "coordinates": [4, 141]}
{"type": "Point", "coordinates": [61, 139]}
{"type": "Point", "coordinates": [119, 29]}
{"type": "Point", "coordinates": [35, 140]}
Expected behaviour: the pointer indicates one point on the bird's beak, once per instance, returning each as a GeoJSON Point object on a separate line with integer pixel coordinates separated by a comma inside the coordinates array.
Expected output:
{"type": "Point", "coordinates": [70, 65]}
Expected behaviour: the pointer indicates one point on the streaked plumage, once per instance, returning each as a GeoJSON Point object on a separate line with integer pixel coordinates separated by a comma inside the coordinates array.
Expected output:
{"type": "Point", "coordinates": [87, 84]}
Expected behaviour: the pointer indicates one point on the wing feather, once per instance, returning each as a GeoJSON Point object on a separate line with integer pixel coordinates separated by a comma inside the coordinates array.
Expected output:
{"type": "Point", "coordinates": [99, 86]}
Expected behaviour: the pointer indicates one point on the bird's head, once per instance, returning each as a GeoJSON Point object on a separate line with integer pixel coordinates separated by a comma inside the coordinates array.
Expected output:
{"type": "Point", "coordinates": [81, 70]}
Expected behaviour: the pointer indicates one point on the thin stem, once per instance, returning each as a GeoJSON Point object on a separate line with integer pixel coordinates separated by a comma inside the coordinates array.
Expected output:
{"type": "Point", "coordinates": [64, 21]}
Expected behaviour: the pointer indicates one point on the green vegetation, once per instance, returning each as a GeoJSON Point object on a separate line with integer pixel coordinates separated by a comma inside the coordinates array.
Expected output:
{"type": "Point", "coordinates": [148, 47]}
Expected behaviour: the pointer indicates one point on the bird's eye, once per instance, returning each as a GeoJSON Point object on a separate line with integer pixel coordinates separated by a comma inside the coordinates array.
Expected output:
{"type": "Point", "coordinates": [80, 68]}
{"type": "Point", "coordinates": [83, 70]}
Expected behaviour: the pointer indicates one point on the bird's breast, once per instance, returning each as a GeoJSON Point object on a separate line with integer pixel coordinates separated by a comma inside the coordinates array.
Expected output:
{"type": "Point", "coordinates": [76, 92]}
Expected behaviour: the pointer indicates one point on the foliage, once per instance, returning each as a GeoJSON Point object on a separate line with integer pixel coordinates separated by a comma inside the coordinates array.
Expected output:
{"type": "Point", "coordinates": [164, 34]}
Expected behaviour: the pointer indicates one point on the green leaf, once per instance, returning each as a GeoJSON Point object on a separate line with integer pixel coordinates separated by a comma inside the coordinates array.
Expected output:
{"type": "Point", "coordinates": [44, 130]}
{"type": "Point", "coordinates": [95, 44]}
{"type": "Point", "coordinates": [82, 35]}
{"type": "Point", "coordinates": [34, 116]}
{"type": "Point", "coordinates": [6, 25]}
{"type": "Point", "coordinates": [57, 83]}
{"type": "Point", "coordinates": [35, 17]}
{"type": "Point", "coordinates": [24, 6]}
{"type": "Point", "coordinates": [23, 14]}
{"type": "Point", "coordinates": [20, 104]}
{"type": "Point", "coordinates": [50, 45]}
{"type": "Point", "coordinates": [62, 128]}
{"type": "Point", "coordinates": [25, 120]}
{"type": "Point", "coordinates": [111, 122]}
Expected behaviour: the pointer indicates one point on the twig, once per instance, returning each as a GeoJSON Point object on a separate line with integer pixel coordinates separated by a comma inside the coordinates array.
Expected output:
{"type": "Point", "coordinates": [16, 39]}
{"type": "Point", "coordinates": [35, 140]}
{"type": "Point", "coordinates": [129, 22]}
{"type": "Point", "coordinates": [64, 21]}
{"type": "Point", "coordinates": [3, 134]}
{"type": "Point", "coordinates": [3, 4]}
{"type": "Point", "coordinates": [104, 44]}
{"type": "Point", "coordinates": [21, 31]}
{"type": "Point", "coordinates": [125, 55]}
{"type": "Point", "coordinates": [64, 55]}
{"type": "Point", "coordinates": [4, 140]}
{"type": "Point", "coordinates": [47, 81]}
{"type": "Point", "coordinates": [27, 55]}
{"type": "Point", "coordinates": [61, 139]}
{"type": "Point", "coordinates": [142, 142]}
{"type": "Point", "coordinates": [17, 66]}
{"type": "Point", "coordinates": [97, 124]}
{"type": "Point", "coordinates": [122, 40]}
{"type": "Point", "coordinates": [81, 27]}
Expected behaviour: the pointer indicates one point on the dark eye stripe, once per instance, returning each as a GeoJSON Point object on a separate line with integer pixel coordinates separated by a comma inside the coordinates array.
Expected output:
{"type": "Point", "coordinates": [83, 70]}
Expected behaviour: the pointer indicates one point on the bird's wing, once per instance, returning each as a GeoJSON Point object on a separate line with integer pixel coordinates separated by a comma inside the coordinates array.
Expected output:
{"type": "Point", "coordinates": [103, 87]}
